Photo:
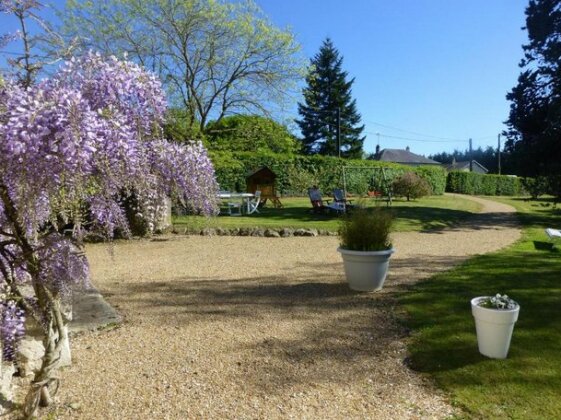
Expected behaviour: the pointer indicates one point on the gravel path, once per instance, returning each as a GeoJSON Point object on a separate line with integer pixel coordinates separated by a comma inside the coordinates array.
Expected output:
{"type": "Point", "coordinates": [238, 327]}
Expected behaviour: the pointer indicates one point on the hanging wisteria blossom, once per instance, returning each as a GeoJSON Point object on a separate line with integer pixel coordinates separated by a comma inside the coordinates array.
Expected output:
{"type": "Point", "coordinates": [70, 148]}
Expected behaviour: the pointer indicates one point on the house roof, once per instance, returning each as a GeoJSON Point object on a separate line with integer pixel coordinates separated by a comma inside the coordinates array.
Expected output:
{"type": "Point", "coordinates": [458, 166]}
{"type": "Point", "coordinates": [403, 156]}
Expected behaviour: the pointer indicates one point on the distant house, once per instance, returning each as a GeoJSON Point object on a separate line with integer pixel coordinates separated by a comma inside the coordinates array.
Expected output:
{"type": "Point", "coordinates": [464, 166]}
{"type": "Point", "coordinates": [404, 157]}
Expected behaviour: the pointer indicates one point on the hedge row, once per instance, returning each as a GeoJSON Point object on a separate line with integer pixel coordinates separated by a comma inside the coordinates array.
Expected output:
{"type": "Point", "coordinates": [478, 184]}
{"type": "Point", "coordinates": [295, 174]}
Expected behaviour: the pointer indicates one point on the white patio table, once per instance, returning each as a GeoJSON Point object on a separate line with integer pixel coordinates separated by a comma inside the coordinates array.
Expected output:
{"type": "Point", "coordinates": [245, 199]}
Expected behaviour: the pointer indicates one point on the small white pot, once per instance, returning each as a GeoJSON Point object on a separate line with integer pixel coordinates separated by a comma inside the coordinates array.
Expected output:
{"type": "Point", "coordinates": [494, 328]}
{"type": "Point", "coordinates": [366, 270]}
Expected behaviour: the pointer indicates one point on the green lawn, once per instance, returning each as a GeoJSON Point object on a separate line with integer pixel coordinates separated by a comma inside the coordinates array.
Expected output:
{"type": "Point", "coordinates": [528, 383]}
{"type": "Point", "coordinates": [427, 213]}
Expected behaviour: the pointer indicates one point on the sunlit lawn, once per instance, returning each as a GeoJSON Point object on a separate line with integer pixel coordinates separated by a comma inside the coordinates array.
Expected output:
{"type": "Point", "coordinates": [427, 213]}
{"type": "Point", "coordinates": [527, 385]}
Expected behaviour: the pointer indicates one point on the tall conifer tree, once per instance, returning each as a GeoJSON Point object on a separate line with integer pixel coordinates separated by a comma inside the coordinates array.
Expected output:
{"type": "Point", "coordinates": [534, 123]}
{"type": "Point", "coordinates": [328, 91]}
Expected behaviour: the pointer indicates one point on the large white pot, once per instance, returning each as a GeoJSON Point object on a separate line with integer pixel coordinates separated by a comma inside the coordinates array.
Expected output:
{"type": "Point", "coordinates": [494, 328]}
{"type": "Point", "coordinates": [366, 270]}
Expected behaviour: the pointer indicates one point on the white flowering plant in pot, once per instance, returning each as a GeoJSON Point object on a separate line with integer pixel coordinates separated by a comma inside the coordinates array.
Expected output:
{"type": "Point", "coordinates": [497, 302]}
{"type": "Point", "coordinates": [495, 317]}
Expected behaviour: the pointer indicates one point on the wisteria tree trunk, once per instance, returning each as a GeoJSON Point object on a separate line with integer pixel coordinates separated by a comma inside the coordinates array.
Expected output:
{"type": "Point", "coordinates": [47, 314]}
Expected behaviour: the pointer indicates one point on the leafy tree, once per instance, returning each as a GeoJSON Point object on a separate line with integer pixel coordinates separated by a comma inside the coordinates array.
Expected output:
{"type": "Point", "coordinates": [534, 123]}
{"type": "Point", "coordinates": [89, 133]}
{"type": "Point", "coordinates": [177, 128]}
{"type": "Point", "coordinates": [250, 133]}
{"type": "Point", "coordinates": [214, 57]}
{"type": "Point", "coordinates": [536, 186]}
{"type": "Point", "coordinates": [326, 93]}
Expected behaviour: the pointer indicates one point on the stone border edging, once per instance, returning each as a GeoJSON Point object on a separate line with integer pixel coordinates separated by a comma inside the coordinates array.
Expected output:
{"type": "Point", "coordinates": [259, 232]}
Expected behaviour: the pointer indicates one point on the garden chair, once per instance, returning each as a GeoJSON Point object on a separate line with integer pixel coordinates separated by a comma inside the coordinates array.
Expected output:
{"type": "Point", "coordinates": [316, 199]}
{"type": "Point", "coordinates": [554, 235]}
{"type": "Point", "coordinates": [341, 204]}
{"type": "Point", "coordinates": [253, 204]}
{"type": "Point", "coordinates": [235, 209]}
{"type": "Point", "coordinates": [318, 206]}
{"type": "Point", "coordinates": [339, 197]}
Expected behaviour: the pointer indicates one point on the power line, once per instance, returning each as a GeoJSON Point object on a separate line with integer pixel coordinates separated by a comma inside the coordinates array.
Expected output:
{"type": "Point", "coordinates": [486, 137]}
{"type": "Point", "coordinates": [413, 132]}
{"type": "Point", "coordinates": [418, 140]}
{"type": "Point", "coordinates": [438, 139]}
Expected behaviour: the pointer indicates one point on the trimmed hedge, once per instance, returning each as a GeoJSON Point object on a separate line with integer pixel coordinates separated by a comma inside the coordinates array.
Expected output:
{"type": "Point", "coordinates": [479, 184]}
{"type": "Point", "coordinates": [295, 174]}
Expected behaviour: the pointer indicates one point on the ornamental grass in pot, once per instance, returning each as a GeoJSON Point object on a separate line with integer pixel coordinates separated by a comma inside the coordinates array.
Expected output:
{"type": "Point", "coordinates": [365, 247]}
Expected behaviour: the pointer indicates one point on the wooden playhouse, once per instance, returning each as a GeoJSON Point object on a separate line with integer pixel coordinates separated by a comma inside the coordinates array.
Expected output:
{"type": "Point", "coordinates": [263, 179]}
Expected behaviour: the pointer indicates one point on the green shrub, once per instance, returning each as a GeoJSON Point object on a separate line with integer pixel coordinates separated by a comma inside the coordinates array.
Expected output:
{"type": "Point", "coordinates": [294, 171]}
{"type": "Point", "coordinates": [535, 186]}
{"type": "Point", "coordinates": [507, 185]}
{"type": "Point", "coordinates": [230, 172]}
{"type": "Point", "coordinates": [299, 180]}
{"type": "Point", "coordinates": [479, 184]}
{"type": "Point", "coordinates": [435, 176]}
{"type": "Point", "coordinates": [366, 230]}
{"type": "Point", "coordinates": [411, 186]}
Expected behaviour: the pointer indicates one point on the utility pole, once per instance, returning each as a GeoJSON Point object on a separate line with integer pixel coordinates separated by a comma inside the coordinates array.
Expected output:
{"type": "Point", "coordinates": [499, 154]}
{"type": "Point", "coordinates": [470, 156]}
{"type": "Point", "coordinates": [339, 131]}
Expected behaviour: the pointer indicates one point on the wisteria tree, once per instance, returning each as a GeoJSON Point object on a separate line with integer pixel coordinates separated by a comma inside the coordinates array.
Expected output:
{"type": "Point", "coordinates": [70, 148]}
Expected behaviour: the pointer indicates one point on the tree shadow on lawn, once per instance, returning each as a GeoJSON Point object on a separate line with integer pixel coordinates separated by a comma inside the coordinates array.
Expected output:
{"type": "Point", "coordinates": [541, 219]}
{"type": "Point", "coordinates": [545, 246]}
{"type": "Point", "coordinates": [428, 218]}
{"type": "Point", "coordinates": [439, 309]}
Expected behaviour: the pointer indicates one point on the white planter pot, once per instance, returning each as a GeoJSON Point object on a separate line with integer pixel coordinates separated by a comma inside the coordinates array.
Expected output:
{"type": "Point", "coordinates": [494, 328]}
{"type": "Point", "coordinates": [366, 270]}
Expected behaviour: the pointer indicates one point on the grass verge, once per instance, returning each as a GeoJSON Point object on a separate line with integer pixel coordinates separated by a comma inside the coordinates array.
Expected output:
{"type": "Point", "coordinates": [434, 212]}
{"type": "Point", "coordinates": [443, 344]}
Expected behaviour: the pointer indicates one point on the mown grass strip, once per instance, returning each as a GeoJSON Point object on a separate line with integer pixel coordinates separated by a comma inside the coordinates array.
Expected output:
{"type": "Point", "coordinates": [443, 344]}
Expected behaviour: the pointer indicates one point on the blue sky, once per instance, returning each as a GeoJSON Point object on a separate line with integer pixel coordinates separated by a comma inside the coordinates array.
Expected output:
{"type": "Point", "coordinates": [437, 67]}
{"type": "Point", "coordinates": [425, 70]}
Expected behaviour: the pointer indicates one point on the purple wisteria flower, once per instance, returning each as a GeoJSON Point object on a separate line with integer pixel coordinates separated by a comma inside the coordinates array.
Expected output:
{"type": "Point", "coordinates": [12, 328]}
{"type": "Point", "coordinates": [70, 148]}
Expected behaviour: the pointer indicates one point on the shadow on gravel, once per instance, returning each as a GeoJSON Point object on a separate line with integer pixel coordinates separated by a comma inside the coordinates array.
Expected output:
{"type": "Point", "coordinates": [483, 221]}
{"type": "Point", "coordinates": [292, 331]}
{"type": "Point", "coordinates": [492, 221]}
{"type": "Point", "coordinates": [302, 327]}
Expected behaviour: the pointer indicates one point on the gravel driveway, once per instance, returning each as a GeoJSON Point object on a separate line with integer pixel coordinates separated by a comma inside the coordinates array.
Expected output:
{"type": "Point", "coordinates": [238, 327]}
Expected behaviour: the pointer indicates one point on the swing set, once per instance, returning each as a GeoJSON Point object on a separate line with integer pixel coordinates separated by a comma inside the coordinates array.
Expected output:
{"type": "Point", "coordinates": [384, 187]}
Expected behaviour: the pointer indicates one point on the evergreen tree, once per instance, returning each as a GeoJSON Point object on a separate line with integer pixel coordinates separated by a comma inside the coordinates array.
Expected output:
{"type": "Point", "coordinates": [534, 123]}
{"type": "Point", "coordinates": [328, 91]}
